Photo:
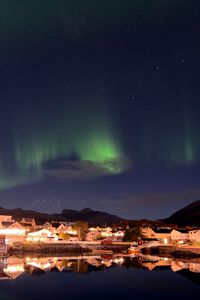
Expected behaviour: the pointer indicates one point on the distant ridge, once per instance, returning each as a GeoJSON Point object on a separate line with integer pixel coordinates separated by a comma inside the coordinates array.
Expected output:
{"type": "Point", "coordinates": [188, 215]}
{"type": "Point", "coordinates": [68, 215]}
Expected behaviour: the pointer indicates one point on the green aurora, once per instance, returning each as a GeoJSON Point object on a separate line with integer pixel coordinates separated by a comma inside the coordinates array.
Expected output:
{"type": "Point", "coordinates": [88, 135]}
{"type": "Point", "coordinates": [45, 120]}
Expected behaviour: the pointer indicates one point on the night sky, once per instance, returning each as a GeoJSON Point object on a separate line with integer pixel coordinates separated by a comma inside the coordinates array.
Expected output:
{"type": "Point", "coordinates": [100, 104]}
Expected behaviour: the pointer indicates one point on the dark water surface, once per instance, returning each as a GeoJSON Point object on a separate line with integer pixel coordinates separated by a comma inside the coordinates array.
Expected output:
{"type": "Point", "coordinates": [99, 278]}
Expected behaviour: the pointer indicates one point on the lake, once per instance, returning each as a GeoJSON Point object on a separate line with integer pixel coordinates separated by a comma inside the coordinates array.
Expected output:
{"type": "Point", "coordinates": [99, 277]}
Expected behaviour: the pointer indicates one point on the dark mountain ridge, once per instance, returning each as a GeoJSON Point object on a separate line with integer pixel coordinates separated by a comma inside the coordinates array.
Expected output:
{"type": "Point", "coordinates": [188, 215]}
{"type": "Point", "coordinates": [67, 215]}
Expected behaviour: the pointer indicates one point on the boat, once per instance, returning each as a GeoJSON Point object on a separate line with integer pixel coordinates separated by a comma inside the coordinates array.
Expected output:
{"type": "Point", "coordinates": [134, 248]}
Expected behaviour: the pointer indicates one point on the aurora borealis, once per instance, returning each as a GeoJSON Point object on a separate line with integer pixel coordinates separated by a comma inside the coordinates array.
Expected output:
{"type": "Point", "coordinates": [99, 105]}
{"type": "Point", "coordinates": [84, 132]}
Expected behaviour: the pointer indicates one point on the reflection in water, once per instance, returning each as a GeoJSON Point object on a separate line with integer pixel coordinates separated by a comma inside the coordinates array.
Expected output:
{"type": "Point", "coordinates": [13, 267]}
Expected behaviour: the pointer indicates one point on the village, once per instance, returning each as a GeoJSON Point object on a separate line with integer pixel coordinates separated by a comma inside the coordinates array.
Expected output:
{"type": "Point", "coordinates": [65, 238]}
{"type": "Point", "coordinates": [27, 231]}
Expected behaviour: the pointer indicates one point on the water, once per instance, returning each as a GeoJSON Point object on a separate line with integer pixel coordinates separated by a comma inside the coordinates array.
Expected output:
{"type": "Point", "coordinates": [141, 277]}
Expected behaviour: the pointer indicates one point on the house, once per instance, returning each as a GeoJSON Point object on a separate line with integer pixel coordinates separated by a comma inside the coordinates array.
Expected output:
{"type": "Point", "coordinates": [61, 229]}
{"type": "Point", "coordinates": [179, 235]}
{"type": "Point", "coordinates": [162, 234]}
{"type": "Point", "coordinates": [66, 229]}
{"type": "Point", "coordinates": [92, 234]}
{"type": "Point", "coordinates": [118, 235]}
{"type": "Point", "coordinates": [5, 218]}
{"type": "Point", "coordinates": [48, 226]}
{"type": "Point", "coordinates": [13, 231]}
{"type": "Point", "coordinates": [4, 224]}
{"type": "Point", "coordinates": [43, 235]}
{"type": "Point", "coordinates": [147, 232]}
{"type": "Point", "coordinates": [28, 223]}
{"type": "Point", "coordinates": [194, 236]}
{"type": "Point", "coordinates": [105, 231]}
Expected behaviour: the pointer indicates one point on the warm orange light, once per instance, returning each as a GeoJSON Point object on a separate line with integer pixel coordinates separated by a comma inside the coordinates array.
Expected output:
{"type": "Point", "coordinates": [12, 231]}
{"type": "Point", "coordinates": [14, 268]}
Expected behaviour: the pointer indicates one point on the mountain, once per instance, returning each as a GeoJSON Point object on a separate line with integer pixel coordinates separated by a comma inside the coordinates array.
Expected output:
{"type": "Point", "coordinates": [68, 215]}
{"type": "Point", "coordinates": [92, 217]}
{"type": "Point", "coordinates": [189, 215]}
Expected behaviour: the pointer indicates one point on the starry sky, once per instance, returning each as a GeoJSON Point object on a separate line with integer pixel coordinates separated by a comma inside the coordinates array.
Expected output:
{"type": "Point", "coordinates": [99, 105]}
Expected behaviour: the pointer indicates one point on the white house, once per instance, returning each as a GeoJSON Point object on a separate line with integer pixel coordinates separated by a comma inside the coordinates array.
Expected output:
{"type": "Point", "coordinates": [118, 235]}
{"type": "Point", "coordinates": [42, 235]}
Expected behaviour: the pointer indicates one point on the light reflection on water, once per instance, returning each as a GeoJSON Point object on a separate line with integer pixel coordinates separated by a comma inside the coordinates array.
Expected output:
{"type": "Point", "coordinates": [107, 277]}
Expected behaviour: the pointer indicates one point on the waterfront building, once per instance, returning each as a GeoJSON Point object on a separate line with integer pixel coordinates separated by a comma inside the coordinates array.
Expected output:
{"type": "Point", "coordinates": [42, 235]}
{"type": "Point", "coordinates": [162, 234]}
{"type": "Point", "coordinates": [179, 235]}
{"type": "Point", "coordinates": [13, 231]}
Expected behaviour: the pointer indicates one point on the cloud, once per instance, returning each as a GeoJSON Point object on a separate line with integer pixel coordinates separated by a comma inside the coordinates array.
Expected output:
{"type": "Point", "coordinates": [74, 169]}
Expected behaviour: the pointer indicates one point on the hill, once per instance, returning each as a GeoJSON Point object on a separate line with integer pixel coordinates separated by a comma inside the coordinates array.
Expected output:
{"type": "Point", "coordinates": [188, 215]}
{"type": "Point", "coordinates": [67, 215]}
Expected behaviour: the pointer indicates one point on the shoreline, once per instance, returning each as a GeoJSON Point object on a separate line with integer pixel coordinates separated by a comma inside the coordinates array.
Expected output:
{"type": "Point", "coordinates": [80, 249]}
{"type": "Point", "coordinates": [45, 249]}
